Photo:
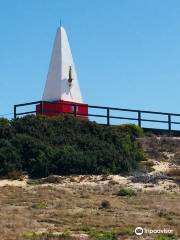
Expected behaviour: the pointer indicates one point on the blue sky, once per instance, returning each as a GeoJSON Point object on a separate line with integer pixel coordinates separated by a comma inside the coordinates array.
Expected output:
{"type": "Point", "coordinates": [127, 52]}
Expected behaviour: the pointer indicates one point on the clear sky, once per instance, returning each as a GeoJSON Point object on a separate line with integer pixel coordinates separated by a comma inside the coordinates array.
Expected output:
{"type": "Point", "coordinates": [127, 52]}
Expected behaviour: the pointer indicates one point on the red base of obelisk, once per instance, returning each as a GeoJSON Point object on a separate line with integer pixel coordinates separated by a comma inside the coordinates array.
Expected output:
{"type": "Point", "coordinates": [55, 108]}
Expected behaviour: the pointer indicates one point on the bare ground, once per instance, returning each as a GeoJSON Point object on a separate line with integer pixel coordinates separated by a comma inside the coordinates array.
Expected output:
{"type": "Point", "coordinates": [90, 207]}
{"type": "Point", "coordinates": [75, 206]}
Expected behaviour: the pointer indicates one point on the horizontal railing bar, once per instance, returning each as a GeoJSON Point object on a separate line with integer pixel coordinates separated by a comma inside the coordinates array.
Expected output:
{"type": "Point", "coordinates": [18, 114]}
{"type": "Point", "coordinates": [152, 120]}
{"type": "Point", "coordinates": [42, 102]}
{"type": "Point", "coordinates": [136, 119]}
{"type": "Point", "coordinates": [124, 118]}
{"type": "Point", "coordinates": [25, 104]}
{"type": "Point", "coordinates": [175, 122]}
{"type": "Point", "coordinates": [93, 115]}
{"type": "Point", "coordinates": [143, 111]}
{"type": "Point", "coordinates": [98, 107]}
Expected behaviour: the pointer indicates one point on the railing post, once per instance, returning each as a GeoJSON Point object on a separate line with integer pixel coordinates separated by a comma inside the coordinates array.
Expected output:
{"type": "Point", "coordinates": [75, 110]}
{"type": "Point", "coordinates": [169, 123]}
{"type": "Point", "coordinates": [139, 118]}
{"type": "Point", "coordinates": [108, 117]}
{"type": "Point", "coordinates": [14, 111]}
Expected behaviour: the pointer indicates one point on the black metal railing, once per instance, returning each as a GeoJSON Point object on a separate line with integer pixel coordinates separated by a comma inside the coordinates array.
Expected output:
{"type": "Point", "coordinates": [138, 119]}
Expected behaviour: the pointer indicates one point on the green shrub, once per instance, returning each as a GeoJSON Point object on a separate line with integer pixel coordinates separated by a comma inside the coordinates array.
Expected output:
{"type": "Point", "coordinates": [166, 237]}
{"type": "Point", "coordinates": [101, 235]}
{"type": "Point", "coordinates": [39, 205]}
{"type": "Point", "coordinates": [126, 231]}
{"type": "Point", "coordinates": [126, 192]}
{"type": "Point", "coordinates": [9, 160]}
{"type": "Point", "coordinates": [65, 145]}
{"type": "Point", "coordinates": [149, 163]}
{"type": "Point", "coordinates": [146, 166]}
{"type": "Point", "coordinates": [5, 143]}
{"type": "Point", "coordinates": [52, 179]}
{"type": "Point", "coordinates": [14, 175]}
{"type": "Point", "coordinates": [131, 129]}
{"type": "Point", "coordinates": [6, 131]}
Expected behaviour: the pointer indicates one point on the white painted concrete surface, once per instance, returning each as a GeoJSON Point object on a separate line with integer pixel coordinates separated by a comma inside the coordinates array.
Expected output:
{"type": "Point", "coordinates": [57, 86]}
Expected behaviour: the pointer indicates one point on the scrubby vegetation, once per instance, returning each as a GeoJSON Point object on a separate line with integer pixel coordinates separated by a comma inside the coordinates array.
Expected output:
{"type": "Point", "coordinates": [39, 205]}
{"type": "Point", "coordinates": [128, 192]}
{"type": "Point", "coordinates": [105, 204]}
{"type": "Point", "coordinates": [64, 145]}
{"type": "Point", "coordinates": [51, 212]}
{"type": "Point", "coordinates": [174, 174]}
{"type": "Point", "coordinates": [149, 178]}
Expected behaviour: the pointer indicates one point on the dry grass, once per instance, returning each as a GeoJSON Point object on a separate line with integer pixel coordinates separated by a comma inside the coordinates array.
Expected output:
{"type": "Point", "coordinates": [174, 174]}
{"type": "Point", "coordinates": [55, 208]}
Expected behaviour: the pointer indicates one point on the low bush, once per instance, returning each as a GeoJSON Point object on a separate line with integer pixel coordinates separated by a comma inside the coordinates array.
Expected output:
{"type": "Point", "coordinates": [146, 166]}
{"type": "Point", "coordinates": [39, 205]}
{"type": "Point", "coordinates": [9, 160]}
{"type": "Point", "coordinates": [101, 235]}
{"type": "Point", "coordinates": [15, 175]}
{"type": "Point", "coordinates": [64, 145]}
{"type": "Point", "coordinates": [166, 237]}
{"type": "Point", "coordinates": [163, 213]}
{"type": "Point", "coordinates": [52, 179]}
{"type": "Point", "coordinates": [105, 204]}
{"type": "Point", "coordinates": [134, 130]}
{"type": "Point", "coordinates": [149, 178]}
{"type": "Point", "coordinates": [126, 192]}
{"type": "Point", "coordinates": [150, 163]}
{"type": "Point", "coordinates": [125, 231]}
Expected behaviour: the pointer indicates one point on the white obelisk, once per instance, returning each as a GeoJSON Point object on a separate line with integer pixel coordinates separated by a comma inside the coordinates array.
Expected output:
{"type": "Point", "coordinates": [62, 82]}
